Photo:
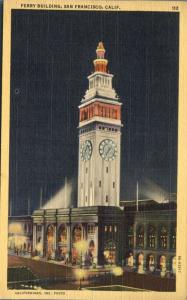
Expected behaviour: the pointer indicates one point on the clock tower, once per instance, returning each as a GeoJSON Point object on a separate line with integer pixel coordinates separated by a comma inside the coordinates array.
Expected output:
{"type": "Point", "coordinates": [99, 139]}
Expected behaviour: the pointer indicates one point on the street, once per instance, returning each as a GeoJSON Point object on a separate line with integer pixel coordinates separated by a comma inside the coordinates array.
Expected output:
{"type": "Point", "coordinates": [62, 277]}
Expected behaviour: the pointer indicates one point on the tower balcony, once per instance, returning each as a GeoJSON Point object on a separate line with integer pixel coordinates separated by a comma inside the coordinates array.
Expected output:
{"type": "Point", "coordinates": [101, 110]}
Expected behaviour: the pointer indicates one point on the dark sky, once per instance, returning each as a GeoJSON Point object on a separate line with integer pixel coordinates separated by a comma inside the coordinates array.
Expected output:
{"type": "Point", "coordinates": [51, 57]}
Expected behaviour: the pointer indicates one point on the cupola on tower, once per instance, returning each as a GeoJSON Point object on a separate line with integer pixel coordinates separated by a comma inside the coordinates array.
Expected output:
{"type": "Point", "coordinates": [99, 138]}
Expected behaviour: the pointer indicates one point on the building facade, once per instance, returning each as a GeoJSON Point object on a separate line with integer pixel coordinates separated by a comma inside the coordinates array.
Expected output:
{"type": "Point", "coordinates": [20, 234]}
{"type": "Point", "coordinates": [150, 237]}
{"type": "Point", "coordinates": [92, 235]}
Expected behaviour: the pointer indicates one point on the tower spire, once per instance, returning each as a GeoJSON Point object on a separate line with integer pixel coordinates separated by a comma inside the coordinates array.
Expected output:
{"type": "Point", "coordinates": [100, 63]}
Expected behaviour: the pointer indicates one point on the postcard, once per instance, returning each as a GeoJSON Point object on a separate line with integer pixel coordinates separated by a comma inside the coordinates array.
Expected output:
{"type": "Point", "coordinates": [93, 170]}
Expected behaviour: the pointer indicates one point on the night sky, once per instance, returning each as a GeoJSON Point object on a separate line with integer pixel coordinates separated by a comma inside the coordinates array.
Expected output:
{"type": "Point", "coordinates": [51, 57]}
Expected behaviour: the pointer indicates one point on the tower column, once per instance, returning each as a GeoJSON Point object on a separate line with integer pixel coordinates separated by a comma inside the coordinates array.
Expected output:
{"type": "Point", "coordinates": [34, 237]}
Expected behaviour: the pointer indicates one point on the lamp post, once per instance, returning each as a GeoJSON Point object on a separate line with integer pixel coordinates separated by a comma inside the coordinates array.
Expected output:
{"type": "Point", "coordinates": [81, 247]}
{"type": "Point", "coordinates": [80, 275]}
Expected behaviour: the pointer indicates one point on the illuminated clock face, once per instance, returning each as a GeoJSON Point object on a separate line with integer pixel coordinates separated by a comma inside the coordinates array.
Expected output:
{"type": "Point", "coordinates": [108, 149]}
{"type": "Point", "coordinates": [86, 150]}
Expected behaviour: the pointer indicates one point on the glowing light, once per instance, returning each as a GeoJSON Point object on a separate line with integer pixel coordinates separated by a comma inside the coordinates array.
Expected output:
{"type": "Point", "coordinates": [81, 246]}
{"type": "Point", "coordinates": [117, 271]}
{"type": "Point", "coordinates": [36, 258]}
{"type": "Point", "coordinates": [106, 253]}
{"type": "Point", "coordinates": [17, 241]}
{"type": "Point", "coordinates": [62, 199]}
{"type": "Point", "coordinates": [15, 228]}
{"type": "Point", "coordinates": [153, 191]}
{"type": "Point", "coordinates": [39, 247]}
{"type": "Point", "coordinates": [80, 273]}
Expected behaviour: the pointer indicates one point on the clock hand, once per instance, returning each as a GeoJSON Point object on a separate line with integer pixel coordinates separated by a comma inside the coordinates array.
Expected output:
{"type": "Point", "coordinates": [110, 152]}
{"type": "Point", "coordinates": [87, 150]}
{"type": "Point", "coordinates": [107, 150]}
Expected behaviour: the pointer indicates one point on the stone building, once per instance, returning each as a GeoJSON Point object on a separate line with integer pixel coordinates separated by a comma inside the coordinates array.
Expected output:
{"type": "Point", "coordinates": [150, 236]}
{"type": "Point", "coordinates": [97, 221]}
{"type": "Point", "coordinates": [58, 234]}
{"type": "Point", "coordinates": [20, 233]}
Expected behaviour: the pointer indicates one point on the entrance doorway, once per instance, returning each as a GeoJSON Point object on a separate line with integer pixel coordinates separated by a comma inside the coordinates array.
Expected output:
{"type": "Point", "coordinates": [50, 242]}
{"type": "Point", "coordinates": [62, 243]}
{"type": "Point", "coordinates": [110, 252]}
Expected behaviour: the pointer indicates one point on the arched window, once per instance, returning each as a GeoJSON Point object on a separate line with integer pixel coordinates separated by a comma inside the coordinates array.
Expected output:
{"type": "Point", "coordinates": [62, 234]}
{"type": "Point", "coordinates": [130, 236]}
{"type": "Point", "coordinates": [50, 233]}
{"type": "Point", "coordinates": [163, 237]}
{"type": "Point", "coordinates": [110, 252]}
{"type": "Point", "coordinates": [130, 260]}
{"type": "Point", "coordinates": [91, 229]}
{"type": "Point", "coordinates": [140, 237]}
{"type": "Point", "coordinates": [150, 263]}
{"type": "Point", "coordinates": [173, 237]}
{"type": "Point", "coordinates": [140, 263]}
{"type": "Point", "coordinates": [91, 247]}
{"type": "Point", "coordinates": [77, 233]}
{"type": "Point", "coordinates": [50, 240]}
{"type": "Point", "coordinates": [162, 262]}
{"type": "Point", "coordinates": [151, 238]}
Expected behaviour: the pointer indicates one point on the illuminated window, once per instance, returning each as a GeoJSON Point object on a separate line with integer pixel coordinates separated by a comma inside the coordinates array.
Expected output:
{"type": "Point", "coordinates": [163, 237]}
{"type": "Point", "coordinates": [91, 229]}
{"type": "Point", "coordinates": [173, 238]}
{"type": "Point", "coordinates": [151, 237]}
{"type": "Point", "coordinates": [115, 228]}
{"type": "Point", "coordinates": [130, 236]}
{"type": "Point", "coordinates": [140, 236]}
{"type": "Point", "coordinates": [77, 233]}
{"type": "Point", "coordinates": [62, 234]}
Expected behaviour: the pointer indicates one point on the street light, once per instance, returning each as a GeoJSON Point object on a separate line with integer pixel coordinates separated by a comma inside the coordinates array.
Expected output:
{"type": "Point", "coordinates": [117, 271]}
{"type": "Point", "coordinates": [80, 275]}
{"type": "Point", "coordinates": [81, 247]}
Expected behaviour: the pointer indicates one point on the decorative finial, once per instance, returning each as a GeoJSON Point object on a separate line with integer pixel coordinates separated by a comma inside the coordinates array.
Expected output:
{"type": "Point", "coordinates": [100, 63]}
{"type": "Point", "coordinates": [100, 46]}
{"type": "Point", "coordinates": [100, 50]}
